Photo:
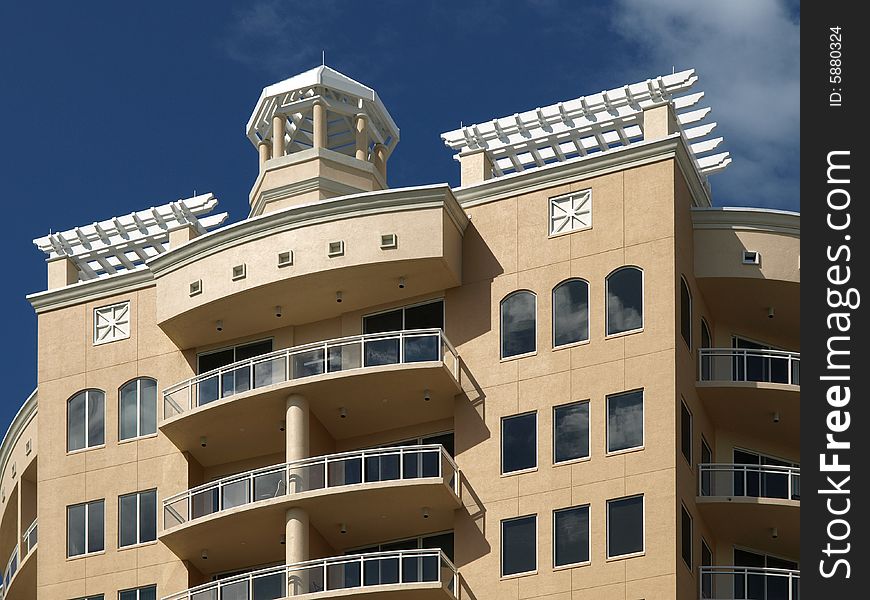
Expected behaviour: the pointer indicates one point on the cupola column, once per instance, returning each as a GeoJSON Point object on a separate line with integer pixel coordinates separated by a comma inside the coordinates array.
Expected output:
{"type": "Point", "coordinates": [379, 158]}
{"type": "Point", "coordinates": [362, 137]}
{"type": "Point", "coordinates": [265, 150]}
{"type": "Point", "coordinates": [278, 131]}
{"type": "Point", "coordinates": [319, 118]}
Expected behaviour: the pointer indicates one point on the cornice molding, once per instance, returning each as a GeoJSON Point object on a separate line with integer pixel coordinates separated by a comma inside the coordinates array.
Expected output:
{"type": "Point", "coordinates": [94, 289]}
{"type": "Point", "coordinates": [16, 427]}
{"type": "Point", "coordinates": [738, 218]}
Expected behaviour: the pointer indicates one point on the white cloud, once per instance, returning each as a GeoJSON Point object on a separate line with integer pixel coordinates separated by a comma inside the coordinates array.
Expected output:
{"type": "Point", "coordinates": [747, 53]}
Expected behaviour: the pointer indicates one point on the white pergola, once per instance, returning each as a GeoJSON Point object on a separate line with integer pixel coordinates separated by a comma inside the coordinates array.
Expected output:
{"type": "Point", "coordinates": [344, 100]}
{"type": "Point", "coordinates": [591, 124]}
{"type": "Point", "coordinates": [124, 243]}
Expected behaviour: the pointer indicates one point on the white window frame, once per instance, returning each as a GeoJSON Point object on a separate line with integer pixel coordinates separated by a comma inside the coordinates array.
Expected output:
{"type": "Point", "coordinates": [642, 445]}
{"type": "Point", "coordinates": [553, 315]}
{"type": "Point", "coordinates": [551, 202]}
{"type": "Point", "coordinates": [87, 506]}
{"type": "Point", "coordinates": [607, 303]}
{"type": "Point", "coordinates": [501, 546]}
{"type": "Point", "coordinates": [87, 428]}
{"type": "Point", "coordinates": [139, 434]}
{"type": "Point", "coordinates": [684, 281]}
{"type": "Point", "coordinates": [690, 566]}
{"type": "Point", "coordinates": [501, 329]}
{"type": "Point", "coordinates": [589, 429]}
{"type": "Point", "coordinates": [643, 528]}
{"type": "Point", "coordinates": [588, 561]}
{"type": "Point", "coordinates": [138, 541]}
{"type": "Point", "coordinates": [139, 589]}
{"type": "Point", "coordinates": [112, 338]}
{"type": "Point", "coordinates": [501, 444]}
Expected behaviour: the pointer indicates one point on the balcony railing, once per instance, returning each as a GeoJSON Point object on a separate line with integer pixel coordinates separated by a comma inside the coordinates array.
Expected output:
{"type": "Point", "coordinates": [331, 356]}
{"type": "Point", "coordinates": [739, 583]}
{"type": "Point", "coordinates": [30, 538]}
{"type": "Point", "coordinates": [322, 472]}
{"type": "Point", "coordinates": [751, 481]}
{"type": "Point", "coordinates": [742, 364]}
{"type": "Point", "coordinates": [10, 570]}
{"type": "Point", "coordinates": [407, 567]}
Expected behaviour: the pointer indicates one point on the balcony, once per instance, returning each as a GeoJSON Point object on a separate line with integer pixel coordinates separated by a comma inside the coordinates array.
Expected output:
{"type": "Point", "coordinates": [21, 572]}
{"type": "Point", "coordinates": [378, 493]}
{"type": "Point", "coordinates": [736, 583]}
{"type": "Point", "coordinates": [747, 503]}
{"type": "Point", "coordinates": [355, 385]}
{"type": "Point", "coordinates": [752, 391]}
{"type": "Point", "coordinates": [425, 573]}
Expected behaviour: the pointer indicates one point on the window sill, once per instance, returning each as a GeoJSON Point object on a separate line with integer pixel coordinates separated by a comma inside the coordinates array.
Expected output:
{"type": "Point", "coordinates": [517, 356]}
{"type": "Point", "coordinates": [571, 345]}
{"type": "Point", "coordinates": [87, 555]}
{"type": "Point", "coordinates": [573, 565]}
{"type": "Point", "coordinates": [572, 461]}
{"type": "Point", "coordinates": [138, 438]}
{"type": "Point", "coordinates": [135, 546]}
{"type": "Point", "coordinates": [624, 451]}
{"type": "Point", "coordinates": [520, 472]}
{"type": "Point", "coordinates": [81, 450]}
{"type": "Point", "coordinates": [626, 556]}
{"type": "Point", "coordinates": [518, 575]}
{"type": "Point", "coordinates": [611, 336]}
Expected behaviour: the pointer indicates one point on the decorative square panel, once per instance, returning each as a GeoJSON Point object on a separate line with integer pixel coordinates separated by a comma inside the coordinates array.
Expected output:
{"type": "Point", "coordinates": [571, 213]}
{"type": "Point", "coordinates": [111, 323]}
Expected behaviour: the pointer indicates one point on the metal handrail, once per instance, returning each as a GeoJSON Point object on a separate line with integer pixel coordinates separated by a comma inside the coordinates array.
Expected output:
{"type": "Point", "coordinates": [739, 362]}
{"type": "Point", "coordinates": [281, 360]}
{"type": "Point", "coordinates": [711, 575]}
{"type": "Point", "coordinates": [286, 475]}
{"type": "Point", "coordinates": [315, 574]}
{"type": "Point", "coordinates": [707, 484]}
{"type": "Point", "coordinates": [31, 532]}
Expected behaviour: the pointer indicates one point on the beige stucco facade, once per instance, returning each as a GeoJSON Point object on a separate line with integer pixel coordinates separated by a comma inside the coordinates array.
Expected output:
{"type": "Point", "coordinates": [470, 247]}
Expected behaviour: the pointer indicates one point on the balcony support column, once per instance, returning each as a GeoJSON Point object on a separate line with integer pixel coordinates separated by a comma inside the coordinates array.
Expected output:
{"type": "Point", "coordinates": [296, 547]}
{"type": "Point", "coordinates": [296, 427]}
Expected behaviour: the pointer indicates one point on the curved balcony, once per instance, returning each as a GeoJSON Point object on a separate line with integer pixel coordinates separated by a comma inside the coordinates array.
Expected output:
{"type": "Point", "coordinates": [734, 583]}
{"type": "Point", "coordinates": [752, 391]}
{"type": "Point", "coordinates": [425, 573]}
{"type": "Point", "coordinates": [363, 377]}
{"type": "Point", "coordinates": [746, 503]}
{"type": "Point", "coordinates": [377, 494]}
{"type": "Point", "coordinates": [19, 576]}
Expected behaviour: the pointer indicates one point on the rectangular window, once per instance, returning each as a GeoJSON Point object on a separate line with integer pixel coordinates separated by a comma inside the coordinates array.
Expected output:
{"type": "Point", "coordinates": [571, 536]}
{"type": "Point", "coordinates": [625, 528]}
{"type": "Point", "coordinates": [706, 578]}
{"type": "Point", "coordinates": [96, 597]}
{"type": "Point", "coordinates": [686, 431]}
{"type": "Point", "coordinates": [137, 518]}
{"type": "Point", "coordinates": [686, 538]}
{"type": "Point", "coordinates": [625, 421]}
{"type": "Point", "coordinates": [85, 528]}
{"type": "Point", "coordinates": [148, 592]}
{"type": "Point", "coordinates": [571, 431]}
{"type": "Point", "coordinates": [519, 442]}
{"type": "Point", "coordinates": [519, 545]}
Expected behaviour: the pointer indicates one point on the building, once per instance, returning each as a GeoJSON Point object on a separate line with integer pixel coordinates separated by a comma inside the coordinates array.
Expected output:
{"type": "Point", "coordinates": [570, 377]}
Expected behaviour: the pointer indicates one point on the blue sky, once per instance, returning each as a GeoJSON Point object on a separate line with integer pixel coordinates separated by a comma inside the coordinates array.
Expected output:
{"type": "Point", "coordinates": [110, 107]}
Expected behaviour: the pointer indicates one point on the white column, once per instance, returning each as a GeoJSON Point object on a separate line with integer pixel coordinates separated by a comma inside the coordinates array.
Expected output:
{"type": "Point", "coordinates": [278, 131]}
{"type": "Point", "coordinates": [296, 427]}
{"type": "Point", "coordinates": [296, 529]}
{"type": "Point", "coordinates": [379, 158]}
{"type": "Point", "coordinates": [296, 548]}
{"type": "Point", "coordinates": [362, 137]}
{"type": "Point", "coordinates": [265, 151]}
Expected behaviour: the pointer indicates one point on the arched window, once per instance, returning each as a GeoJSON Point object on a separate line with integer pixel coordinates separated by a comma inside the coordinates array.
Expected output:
{"type": "Point", "coordinates": [570, 312]}
{"type": "Point", "coordinates": [685, 312]}
{"type": "Point", "coordinates": [85, 420]}
{"type": "Point", "coordinates": [518, 324]}
{"type": "Point", "coordinates": [137, 408]}
{"type": "Point", "coordinates": [624, 300]}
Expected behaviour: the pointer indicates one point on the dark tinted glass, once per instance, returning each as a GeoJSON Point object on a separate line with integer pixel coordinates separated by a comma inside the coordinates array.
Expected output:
{"type": "Point", "coordinates": [686, 538]}
{"type": "Point", "coordinates": [571, 431]}
{"type": "Point", "coordinates": [388, 321]}
{"type": "Point", "coordinates": [625, 421]}
{"type": "Point", "coordinates": [686, 432]}
{"type": "Point", "coordinates": [96, 525]}
{"type": "Point", "coordinates": [127, 516]}
{"type": "Point", "coordinates": [129, 412]}
{"type": "Point", "coordinates": [624, 300]}
{"type": "Point", "coordinates": [96, 418]}
{"type": "Point", "coordinates": [570, 312]}
{"type": "Point", "coordinates": [147, 406]}
{"type": "Point", "coordinates": [571, 536]}
{"type": "Point", "coordinates": [252, 350]}
{"type": "Point", "coordinates": [216, 360]}
{"type": "Point", "coordinates": [76, 422]}
{"type": "Point", "coordinates": [518, 324]}
{"type": "Point", "coordinates": [425, 316]}
{"type": "Point", "coordinates": [519, 441]}
{"type": "Point", "coordinates": [75, 530]}
{"type": "Point", "coordinates": [518, 546]}
{"type": "Point", "coordinates": [148, 516]}
{"type": "Point", "coordinates": [625, 526]}
{"type": "Point", "coordinates": [685, 312]}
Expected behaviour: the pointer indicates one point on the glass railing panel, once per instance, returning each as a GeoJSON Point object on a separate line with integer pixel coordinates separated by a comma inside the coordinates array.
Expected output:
{"type": "Point", "coordinates": [345, 471]}
{"type": "Point", "coordinates": [307, 477]}
{"type": "Point", "coordinates": [236, 590]}
{"type": "Point", "coordinates": [236, 381]}
{"type": "Point", "coordinates": [235, 493]}
{"type": "Point", "coordinates": [381, 570]}
{"type": "Point", "coordinates": [382, 467]}
{"type": "Point", "coordinates": [420, 348]}
{"type": "Point", "coordinates": [270, 372]}
{"type": "Point", "coordinates": [738, 364]}
{"type": "Point", "coordinates": [343, 575]}
{"type": "Point", "coordinates": [308, 363]}
{"type": "Point", "coordinates": [209, 594]}
{"type": "Point", "coordinates": [270, 484]}
{"type": "Point", "coordinates": [204, 502]}
{"type": "Point", "coordinates": [750, 481]}
{"type": "Point", "coordinates": [343, 357]}
{"type": "Point", "coordinates": [380, 352]}
{"type": "Point", "coordinates": [270, 586]}
{"type": "Point", "coordinates": [305, 580]}
{"type": "Point", "coordinates": [208, 390]}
